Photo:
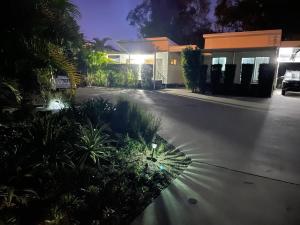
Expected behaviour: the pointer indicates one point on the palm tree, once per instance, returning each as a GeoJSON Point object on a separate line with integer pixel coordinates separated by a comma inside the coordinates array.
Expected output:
{"type": "Point", "coordinates": [101, 44]}
{"type": "Point", "coordinates": [38, 35]}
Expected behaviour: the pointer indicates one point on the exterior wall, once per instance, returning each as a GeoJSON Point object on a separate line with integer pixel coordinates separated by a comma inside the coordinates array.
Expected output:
{"type": "Point", "coordinates": [208, 60]}
{"type": "Point", "coordinates": [162, 61]}
{"type": "Point", "coordinates": [239, 55]}
{"type": "Point", "coordinates": [235, 57]}
{"type": "Point", "coordinates": [175, 71]}
{"type": "Point", "coordinates": [252, 39]}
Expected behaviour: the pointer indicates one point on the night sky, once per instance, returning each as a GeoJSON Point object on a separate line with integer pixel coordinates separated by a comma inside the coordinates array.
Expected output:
{"type": "Point", "coordinates": [106, 18]}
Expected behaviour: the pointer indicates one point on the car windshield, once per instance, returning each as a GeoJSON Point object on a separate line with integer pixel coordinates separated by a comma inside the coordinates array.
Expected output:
{"type": "Point", "coordinates": [292, 75]}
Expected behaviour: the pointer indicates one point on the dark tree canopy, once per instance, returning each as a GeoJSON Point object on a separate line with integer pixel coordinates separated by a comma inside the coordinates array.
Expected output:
{"type": "Point", "coordinates": [237, 15]}
{"type": "Point", "coordinates": [37, 37]}
{"type": "Point", "coordinates": [181, 20]}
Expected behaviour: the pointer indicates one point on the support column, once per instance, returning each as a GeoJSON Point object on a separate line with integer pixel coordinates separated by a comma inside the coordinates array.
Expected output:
{"type": "Point", "coordinates": [154, 71]}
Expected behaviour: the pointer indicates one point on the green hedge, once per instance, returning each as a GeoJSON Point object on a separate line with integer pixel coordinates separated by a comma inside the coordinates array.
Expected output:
{"type": "Point", "coordinates": [203, 78]}
{"type": "Point", "coordinates": [229, 76]}
{"type": "Point", "coordinates": [246, 74]}
{"type": "Point", "coordinates": [266, 79]}
{"type": "Point", "coordinates": [191, 61]}
{"type": "Point", "coordinates": [216, 75]}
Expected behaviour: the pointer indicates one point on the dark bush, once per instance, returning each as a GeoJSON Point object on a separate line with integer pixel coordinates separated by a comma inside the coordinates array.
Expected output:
{"type": "Point", "coordinates": [203, 78]}
{"type": "Point", "coordinates": [266, 79]}
{"type": "Point", "coordinates": [229, 77]}
{"type": "Point", "coordinates": [130, 119]}
{"type": "Point", "coordinates": [122, 75]}
{"type": "Point", "coordinates": [66, 168]}
{"type": "Point", "coordinates": [216, 75]}
{"type": "Point", "coordinates": [246, 75]}
{"type": "Point", "coordinates": [191, 61]}
{"type": "Point", "coordinates": [97, 111]}
{"type": "Point", "coordinates": [147, 75]}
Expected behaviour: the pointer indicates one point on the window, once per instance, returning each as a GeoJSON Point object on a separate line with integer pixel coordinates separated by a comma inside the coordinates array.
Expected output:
{"type": "Point", "coordinates": [220, 60]}
{"type": "Point", "coordinates": [256, 61]}
{"type": "Point", "coordinates": [248, 60]}
{"type": "Point", "coordinates": [173, 62]}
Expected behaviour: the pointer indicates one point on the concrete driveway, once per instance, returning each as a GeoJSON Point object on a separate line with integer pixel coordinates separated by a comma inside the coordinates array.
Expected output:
{"type": "Point", "coordinates": [245, 160]}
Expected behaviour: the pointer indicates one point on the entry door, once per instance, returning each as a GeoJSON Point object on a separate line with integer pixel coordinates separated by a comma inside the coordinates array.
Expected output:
{"type": "Point", "coordinates": [159, 69]}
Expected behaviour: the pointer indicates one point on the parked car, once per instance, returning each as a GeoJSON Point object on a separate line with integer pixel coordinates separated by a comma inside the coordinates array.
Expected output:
{"type": "Point", "coordinates": [291, 81]}
{"type": "Point", "coordinates": [61, 82]}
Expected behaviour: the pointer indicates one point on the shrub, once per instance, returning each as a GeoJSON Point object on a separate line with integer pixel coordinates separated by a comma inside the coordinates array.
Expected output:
{"type": "Point", "coordinates": [147, 75]}
{"type": "Point", "coordinates": [64, 169]}
{"type": "Point", "coordinates": [216, 74]}
{"type": "Point", "coordinates": [98, 111]}
{"type": "Point", "coordinates": [93, 147]}
{"type": "Point", "coordinates": [229, 76]}
{"type": "Point", "coordinates": [203, 78]}
{"type": "Point", "coordinates": [266, 79]}
{"type": "Point", "coordinates": [129, 119]}
{"type": "Point", "coordinates": [246, 75]}
{"type": "Point", "coordinates": [191, 61]}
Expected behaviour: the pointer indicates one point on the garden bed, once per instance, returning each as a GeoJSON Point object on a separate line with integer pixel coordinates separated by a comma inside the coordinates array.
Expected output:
{"type": "Point", "coordinates": [98, 163]}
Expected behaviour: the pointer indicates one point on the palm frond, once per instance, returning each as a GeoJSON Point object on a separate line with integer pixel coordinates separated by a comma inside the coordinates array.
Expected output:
{"type": "Point", "coordinates": [9, 87]}
{"type": "Point", "coordinates": [62, 62]}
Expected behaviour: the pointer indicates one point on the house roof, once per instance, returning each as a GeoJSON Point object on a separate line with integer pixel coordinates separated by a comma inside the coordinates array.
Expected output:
{"type": "Point", "coordinates": [290, 44]}
{"type": "Point", "coordinates": [244, 33]}
{"type": "Point", "coordinates": [150, 45]}
{"type": "Point", "coordinates": [247, 39]}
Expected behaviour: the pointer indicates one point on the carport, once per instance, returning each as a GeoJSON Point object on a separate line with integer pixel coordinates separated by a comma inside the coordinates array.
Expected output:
{"type": "Point", "coordinates": [288, 58]}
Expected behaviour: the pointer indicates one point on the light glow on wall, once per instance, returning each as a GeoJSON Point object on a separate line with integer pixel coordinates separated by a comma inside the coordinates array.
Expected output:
{"type": "Point", "coordinates": [285, 55]}
{"type": "Point", "coordinates": [138, 59]}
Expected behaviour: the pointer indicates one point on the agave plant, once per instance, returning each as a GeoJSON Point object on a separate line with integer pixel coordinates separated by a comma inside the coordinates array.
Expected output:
{"type": "Point", "coordinates": [48, 140]}
{"type": "Point", "coordinates": [11, 197]}
{"type": "Point", "coordinates": [94, 146]}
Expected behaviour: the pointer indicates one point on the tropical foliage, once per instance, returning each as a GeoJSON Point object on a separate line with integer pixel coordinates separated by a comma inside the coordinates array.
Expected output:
{"type": "Point", "coordinates": [79, 166]}
{"type": "Point", "coordinates": [191, 61]}
{"type": "Point", "coordinates": [39, 38]}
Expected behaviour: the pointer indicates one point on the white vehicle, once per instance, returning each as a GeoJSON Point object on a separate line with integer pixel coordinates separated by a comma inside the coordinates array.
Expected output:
{"type": "Point", "coordinates": [291, 82]}
{"type": "Point", "coordinates": [62, 82]}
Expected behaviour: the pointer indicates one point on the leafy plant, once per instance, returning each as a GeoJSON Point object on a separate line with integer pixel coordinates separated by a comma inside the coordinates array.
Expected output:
{"type": "Point", "coordinates": [93, 148]}
{"type": "Point", "coordinates": [216, 75]}
{"type": "Point", "coordinates": [191, 65]}
{"type": "Point", "coordinates": [229, 76]}
{"type": "Point", "coordinates": [146, 76]}
{"type": "Point", "coordinates": [266, 79]}
{"type": "Point", "coordinates": [97, 111]}
{"type": "Point", "coordinates": [9, 93]}
{"type": "Point", "coordinates": [129, 119]}
{"type": "Point", "coordinates": [73, 167]}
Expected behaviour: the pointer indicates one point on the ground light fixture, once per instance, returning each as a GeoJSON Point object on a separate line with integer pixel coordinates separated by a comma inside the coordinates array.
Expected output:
{"type": "Point", "coordinates": [56, 104]}
{"type": "Point", "coordinates": [154, 146]}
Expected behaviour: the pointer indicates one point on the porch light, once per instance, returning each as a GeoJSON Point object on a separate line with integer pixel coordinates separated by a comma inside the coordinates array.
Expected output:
{"type": "Point", "coordinates": [138, 59]}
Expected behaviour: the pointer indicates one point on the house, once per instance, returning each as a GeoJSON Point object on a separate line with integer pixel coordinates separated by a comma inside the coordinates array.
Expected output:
{"type": "Point", "coordinates": [251, 47]}
{"type": "Point", "coordinates": [159, 52]}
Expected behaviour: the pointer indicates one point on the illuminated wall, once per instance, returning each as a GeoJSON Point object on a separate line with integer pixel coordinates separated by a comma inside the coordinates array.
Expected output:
{"type": "Point", "coordinates": [251, 39]}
